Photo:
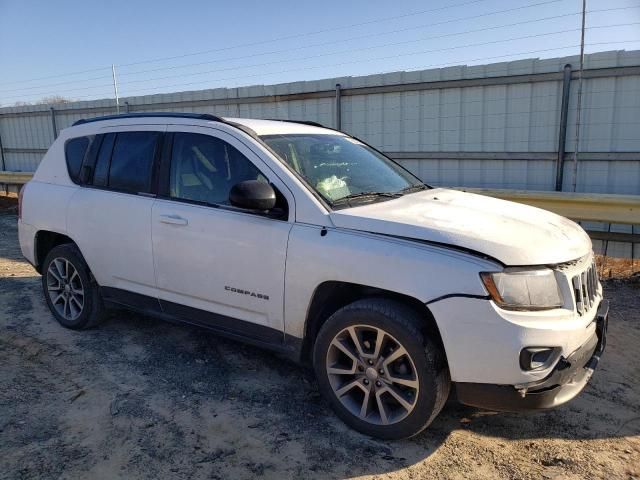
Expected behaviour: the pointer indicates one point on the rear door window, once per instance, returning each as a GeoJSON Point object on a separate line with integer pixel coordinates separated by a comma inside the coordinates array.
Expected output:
{"type": "Point", "coordinates": [125, 161]}
{"type": "Point", "coordinates": [132, 161]}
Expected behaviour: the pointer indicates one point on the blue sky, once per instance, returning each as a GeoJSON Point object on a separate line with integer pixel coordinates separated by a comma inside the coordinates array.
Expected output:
{"type": "Point", "coordinates": [227, 44]}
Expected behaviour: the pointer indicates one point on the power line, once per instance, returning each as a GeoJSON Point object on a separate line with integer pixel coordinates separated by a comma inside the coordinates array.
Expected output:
{"type": "Point", "coordinates": [352, 51]}
{"type": "Point", "coordinates": [288, 37]}
{"type": "Point", "coordinates": [49, 85]}
{"type": "Point", "coordinates": [422, 67]}
{"type": "Point", "coordinates": [316, 56]}
{"type": "Point", "coordinates": [459, 62]}
{"type": "Point", "coordinates": [306, 34]}
{"type": "Point", "coordinates": [60, 75]}
{"type": "Point", "coordinates": [319, 55]}
{"type": "Point", "coordinates": [537, 35]}
{"type": "Point", "coordinates": [363, 61]}
{"type": "Point", "coordinates": [376, 34]}
{"type": "Point", "coordinates": [511, 55]}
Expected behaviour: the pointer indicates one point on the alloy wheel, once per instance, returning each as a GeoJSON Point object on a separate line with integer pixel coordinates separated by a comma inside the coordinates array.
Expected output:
{"type": "Point", "coordinates": [372, 374]}
{"type": "Point", "coordinates": [65, 288]}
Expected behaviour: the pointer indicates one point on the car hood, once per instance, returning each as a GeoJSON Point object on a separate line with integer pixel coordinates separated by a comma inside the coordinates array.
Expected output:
{"type": "Point", "coordinates": [512, 233]}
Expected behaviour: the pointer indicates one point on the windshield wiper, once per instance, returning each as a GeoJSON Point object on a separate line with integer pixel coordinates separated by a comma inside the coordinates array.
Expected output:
{"type": "Point", "coordinates": [353, 196]}
{"type": "Point", "coordinates": [414, 188]}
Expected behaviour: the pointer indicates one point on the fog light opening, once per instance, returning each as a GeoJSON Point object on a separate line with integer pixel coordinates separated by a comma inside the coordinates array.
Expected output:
{"type": "Point", "coordinates": [538, 358]}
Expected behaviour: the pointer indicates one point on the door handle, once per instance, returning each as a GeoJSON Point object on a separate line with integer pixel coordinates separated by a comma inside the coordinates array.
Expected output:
{"type": "Point", "coordinates": [174, 220]}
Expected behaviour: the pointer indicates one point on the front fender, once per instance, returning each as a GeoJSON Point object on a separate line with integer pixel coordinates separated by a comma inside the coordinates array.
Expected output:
{"type": "Point", "coordinates": [424, 272]}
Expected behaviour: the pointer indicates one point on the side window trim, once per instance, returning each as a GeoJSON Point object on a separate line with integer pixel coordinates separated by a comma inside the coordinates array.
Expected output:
{"type": "Point", "coordinates": [108, 141]}
{"type": "Point", "coordinates": [228, 208]}
{"type": "Point", "coordinates": [156, 165]}
{"type": "Point", "coordinates": [89, 163]}
{"type": "Point", "coordinates": [164, 173]}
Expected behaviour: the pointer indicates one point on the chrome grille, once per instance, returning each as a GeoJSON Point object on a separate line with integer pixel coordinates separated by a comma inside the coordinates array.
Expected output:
{"type": "Point", "coordinates": [585, 289]}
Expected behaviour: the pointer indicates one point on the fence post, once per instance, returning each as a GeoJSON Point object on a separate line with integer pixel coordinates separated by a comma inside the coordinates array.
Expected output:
{"type": "Point", "coordinates": [53, 122]}
{"type": "Point", "coordinates": [3, 164]}
{"type": "Point", "coordinates": [338, 107]}
{"type": "Point", "coordinates": [562, 132]}
{"type": "Point", "coordinates": [126, 107]}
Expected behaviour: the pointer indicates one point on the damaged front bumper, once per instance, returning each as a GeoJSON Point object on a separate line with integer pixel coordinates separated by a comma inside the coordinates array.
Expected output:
{"type": "Point", "coordinates": [567, 380]}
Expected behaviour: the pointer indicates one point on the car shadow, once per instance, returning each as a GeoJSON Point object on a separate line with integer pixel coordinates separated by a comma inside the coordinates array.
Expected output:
{"type": "Point", "coordinates": [570, 421]}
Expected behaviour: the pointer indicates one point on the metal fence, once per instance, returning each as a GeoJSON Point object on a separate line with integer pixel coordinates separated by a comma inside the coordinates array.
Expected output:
{"type": "Point", "coordinates": [503, 125]}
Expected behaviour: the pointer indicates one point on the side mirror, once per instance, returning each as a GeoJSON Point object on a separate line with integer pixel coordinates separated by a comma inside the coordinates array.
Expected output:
{"type": "Point", "coordinates": [253, 195]}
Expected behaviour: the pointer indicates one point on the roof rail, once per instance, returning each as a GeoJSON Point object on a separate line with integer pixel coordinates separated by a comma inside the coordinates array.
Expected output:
{"type": "Point", "coordinates": [304, 122]}
{"type": "Point", "coordinates": [198, 116]}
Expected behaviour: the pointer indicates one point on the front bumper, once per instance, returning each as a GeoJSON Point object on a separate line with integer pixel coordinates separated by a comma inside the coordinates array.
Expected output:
{"type": "Point", "coordinates": [565, 382]}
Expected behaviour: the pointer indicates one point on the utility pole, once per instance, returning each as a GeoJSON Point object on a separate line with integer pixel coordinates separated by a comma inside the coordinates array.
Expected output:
{"type": "Point", "coordinates": [115, 88]}
{"type": "Point", "coordinates": [579, 99]}
{"type": "Point", "coordinates": [338, 106]}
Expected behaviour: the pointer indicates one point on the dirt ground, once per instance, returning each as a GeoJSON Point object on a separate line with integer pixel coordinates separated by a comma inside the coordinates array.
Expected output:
{"type": "Point", "coordinates": [140, 398]}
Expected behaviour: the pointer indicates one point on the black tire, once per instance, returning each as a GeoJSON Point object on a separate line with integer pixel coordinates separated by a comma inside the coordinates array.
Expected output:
{"type": "Point", "coordinates": [403, 324]}
{"type": "Point", "coordinates": [92, 310]}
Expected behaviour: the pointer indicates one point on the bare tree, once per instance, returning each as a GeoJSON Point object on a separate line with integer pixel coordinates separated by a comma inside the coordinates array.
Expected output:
{"type": "Point", "coordinates": [55, 100]}
{"type": "Point", "coordinates": [49, 100]}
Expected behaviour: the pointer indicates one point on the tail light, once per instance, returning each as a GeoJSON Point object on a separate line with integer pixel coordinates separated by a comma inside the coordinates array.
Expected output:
{"type": "Point", "coordinates": [20, 194]}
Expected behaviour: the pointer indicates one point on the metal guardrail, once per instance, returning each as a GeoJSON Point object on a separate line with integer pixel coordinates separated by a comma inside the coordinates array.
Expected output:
{"type": "Point", "coordinates": [593, 207]}
{"type": "Point", "coordinates": [590, 207]}
{"type": "Point", "coordinates": [15, 178]}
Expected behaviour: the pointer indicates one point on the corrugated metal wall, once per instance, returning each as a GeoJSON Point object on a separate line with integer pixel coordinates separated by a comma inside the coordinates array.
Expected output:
{"type": "Point", "coordinates": [492, 126]}
{"type": "Point", "coordinates": [492, 119]}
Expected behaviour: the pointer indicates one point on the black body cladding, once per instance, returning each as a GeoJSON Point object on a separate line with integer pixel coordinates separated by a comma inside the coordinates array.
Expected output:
{"type": "Point", "coordinates": [258, 335]}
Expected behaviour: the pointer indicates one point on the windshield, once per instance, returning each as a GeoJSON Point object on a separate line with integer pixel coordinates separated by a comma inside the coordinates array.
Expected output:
{"type": "Point", "coordinates": [342, 169]}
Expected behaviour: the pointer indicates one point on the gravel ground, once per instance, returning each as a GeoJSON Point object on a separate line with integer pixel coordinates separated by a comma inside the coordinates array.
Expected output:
{"type": "Point", "coordinates": [140, 398]}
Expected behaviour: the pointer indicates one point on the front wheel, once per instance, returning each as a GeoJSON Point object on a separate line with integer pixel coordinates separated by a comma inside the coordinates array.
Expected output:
{"type": "Point", "coordinates": [382, 376]}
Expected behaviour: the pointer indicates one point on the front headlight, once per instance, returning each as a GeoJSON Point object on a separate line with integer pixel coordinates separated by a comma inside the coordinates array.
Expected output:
{"type": "Point", "coordinates": [522, 289]}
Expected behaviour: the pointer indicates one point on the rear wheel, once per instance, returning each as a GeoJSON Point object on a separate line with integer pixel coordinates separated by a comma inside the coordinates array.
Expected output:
{"type": "Point", "coordinates": [69, 290]}
{"type": "Point", "coordinates": [382, 376]}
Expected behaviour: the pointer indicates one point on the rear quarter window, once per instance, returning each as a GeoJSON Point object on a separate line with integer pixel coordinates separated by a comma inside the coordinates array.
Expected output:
{"type": "Point", "coordinates": [75, 151]}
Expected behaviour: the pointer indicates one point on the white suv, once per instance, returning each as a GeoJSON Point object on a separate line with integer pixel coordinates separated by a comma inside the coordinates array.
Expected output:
{"type": "Point", "coordinates": [308, 241]}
